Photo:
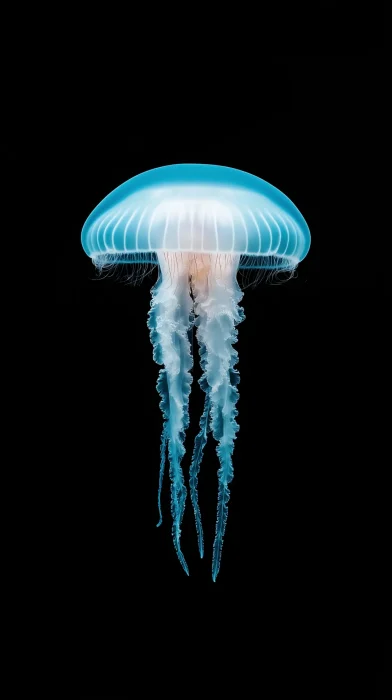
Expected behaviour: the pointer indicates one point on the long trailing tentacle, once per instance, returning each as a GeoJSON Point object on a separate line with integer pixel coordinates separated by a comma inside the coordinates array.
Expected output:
{"type": "Point", "coordinates": [162, 465]}
{"type": "Point", "coordinates": [168, 322]}
{"type": "Point", "coordinates": [200, 442]}
{"type": "Point", "coordinates": [216, 305]}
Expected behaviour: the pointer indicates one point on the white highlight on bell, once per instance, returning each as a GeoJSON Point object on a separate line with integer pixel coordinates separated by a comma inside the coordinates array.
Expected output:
{"type": "Point", "coordinates": [127, 227]}
{"type": "Point", "coordinates": [123, 215]}
{"type": "Point", "coordinates": [139, 224]}
{"type": "Point", "coordinates": [257, 227]}
{"type": "Point", "coordinates": [269, 229]}
{"type": "Point", "coordinates": [280, 232]}
{"type": "Point", "coordinates": [104, 218]}
{"type": "Point", "coordinates": [106, 228]}
{"type": "Point", "coordinates": [149, 230]}
{"type": "Point", "coordinates": [287, 231]}
{"type": "Point", "coordinates": [233, 230]}
{"type": "Point", "coordinates": [165, 232]}
{"type": "Point", "coordinates": [197, 219]}
{"type": "Point", "coordinates": [241, 218]}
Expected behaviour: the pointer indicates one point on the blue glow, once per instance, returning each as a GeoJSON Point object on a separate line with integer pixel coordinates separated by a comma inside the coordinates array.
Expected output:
{"type": "Point", "coordinates": [197, 208]}
{"type": "Point", "coordinates": [199, 224]}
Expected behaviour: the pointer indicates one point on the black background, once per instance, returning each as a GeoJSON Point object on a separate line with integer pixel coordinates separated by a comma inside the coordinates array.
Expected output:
{"type": "Point", "coordinates": [384, 676]}
{"type": "Point", "coordinates": [303, 122]}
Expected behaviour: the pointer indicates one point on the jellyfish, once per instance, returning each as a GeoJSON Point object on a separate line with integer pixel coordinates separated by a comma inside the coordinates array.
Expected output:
{"type": "Point", "coordinates": [199, 225]}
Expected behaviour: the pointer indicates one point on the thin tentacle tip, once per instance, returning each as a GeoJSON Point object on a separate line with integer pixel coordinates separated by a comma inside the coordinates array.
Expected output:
{"type": "Point", "coordinates": [215, 572]}
{"type": "Point", "coordinates": [182, 561]}
{"type": "Point", "coordinates": [159, 524]}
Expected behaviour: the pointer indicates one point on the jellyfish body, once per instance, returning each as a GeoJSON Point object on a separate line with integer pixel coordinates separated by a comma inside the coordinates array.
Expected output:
{"type": "Point", "coordinates": [199, 224]}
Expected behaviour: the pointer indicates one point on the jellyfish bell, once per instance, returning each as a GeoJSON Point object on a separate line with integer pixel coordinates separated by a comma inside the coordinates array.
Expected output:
{"type": "Point", "coordinates": [197, 208]}
{"type": "Point", "coordinates": [199, 224]}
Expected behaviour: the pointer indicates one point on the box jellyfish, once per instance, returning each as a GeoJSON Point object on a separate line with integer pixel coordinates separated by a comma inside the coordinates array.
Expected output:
{"type": "Point", "coordinates": [199, 224]}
